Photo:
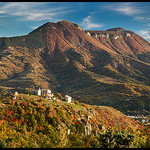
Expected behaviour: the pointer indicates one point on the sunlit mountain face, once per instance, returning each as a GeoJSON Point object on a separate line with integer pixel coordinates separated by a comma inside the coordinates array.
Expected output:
{"type": "Point", "coordinates": [103, 67]}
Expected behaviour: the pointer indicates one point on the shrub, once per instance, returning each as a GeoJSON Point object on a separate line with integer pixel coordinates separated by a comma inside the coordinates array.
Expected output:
{"type": "Point", "coordinates": [76, 102]}
{"type": "Point", "coordinates": [59, 96]}
{"type": "Point", "coordinates": [53, 121]}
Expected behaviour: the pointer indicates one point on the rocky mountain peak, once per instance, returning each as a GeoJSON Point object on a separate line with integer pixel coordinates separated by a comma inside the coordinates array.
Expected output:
{"type": "Point", "coordinates": [118, 29]}
{"type": "Point", "coordinates": [66, 58]}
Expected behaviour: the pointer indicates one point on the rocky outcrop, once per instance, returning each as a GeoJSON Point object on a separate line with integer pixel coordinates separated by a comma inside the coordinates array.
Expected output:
{"type": "Point", "coordinates": [122, 43]}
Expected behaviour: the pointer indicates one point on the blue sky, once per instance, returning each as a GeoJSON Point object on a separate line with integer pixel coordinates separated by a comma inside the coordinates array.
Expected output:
{"type": "Point", "coordinates": [20, 18]}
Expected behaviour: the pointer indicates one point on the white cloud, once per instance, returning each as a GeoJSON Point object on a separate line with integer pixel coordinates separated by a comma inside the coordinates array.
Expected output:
{"type": "Point", "coordinates": [139, 18]}
{"type": "Point", "coordinates": [126, 8]}
{"type": "Point", "coordinates": [34, 27]}
{"type": "Point", "coordinates": [145, 33]}
{"type": "Point", "coordinates": [148, 24]}
{"type": "Point", "coordinates": [88, 24]}
{"type": "Point", "coordinates": [34, 11]}
{"type": "Point", "coordinates": [142, 19]}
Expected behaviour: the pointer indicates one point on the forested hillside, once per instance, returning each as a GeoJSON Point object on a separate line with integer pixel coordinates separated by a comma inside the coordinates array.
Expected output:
{"type": "Point", "coordinates": [31, 121]}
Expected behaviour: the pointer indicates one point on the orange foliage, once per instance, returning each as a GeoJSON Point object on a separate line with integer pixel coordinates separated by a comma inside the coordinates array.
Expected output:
{"type": "Point", "coordinates": [25, 104]}
{"type": "Point", "coordinates": [13, 103]}
{"type": "Point", "coordinates": [39, 105]}
{"type": "Point", "coordinates": [50, 108]}
{"type": "Point", "coordinates": [43, 108]}
{"type": "Point", "coordinates": [76, 123]}
{"type": "Point", "coordinates": [72, 116]}
{"type": "Point", "coordinates": [40, 127]}
{"type": "Point", "coordinates": [8, 112]}
{"type": "Point", "coordinates": [1, 121]}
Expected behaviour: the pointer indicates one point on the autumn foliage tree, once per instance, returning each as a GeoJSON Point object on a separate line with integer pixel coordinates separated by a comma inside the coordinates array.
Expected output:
{"type": "Point", "coordinates": [59, 96]}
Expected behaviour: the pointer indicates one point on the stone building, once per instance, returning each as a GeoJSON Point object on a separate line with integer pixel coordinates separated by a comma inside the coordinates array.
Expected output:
{"type": "Point", "coordinates": [88, 128]}
{"type": "Point", "coordinates": [36, 92]}
{"type": "Point", "coordinates": [41, 92]}
{"type": "Point", "coordinates": [46, 92]}
{"type": "Point", "coordinates": [68, 98]}
{"type": "Point", "coordinates": [16, 93]}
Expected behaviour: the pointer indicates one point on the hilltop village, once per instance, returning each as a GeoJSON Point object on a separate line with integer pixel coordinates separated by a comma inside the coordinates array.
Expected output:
{"type": "Point", "coordinates": [45, 93]}
{"type": "Point", "coordinates": [48, 95]}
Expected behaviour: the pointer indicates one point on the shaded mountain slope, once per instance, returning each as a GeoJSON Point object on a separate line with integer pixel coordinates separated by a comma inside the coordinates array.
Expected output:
{"type": "Point", "coordinates": [68, 59]}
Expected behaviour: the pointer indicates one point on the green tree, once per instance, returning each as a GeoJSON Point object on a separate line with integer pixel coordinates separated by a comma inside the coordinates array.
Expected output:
{"type": "Point", "coordinates": [76, 102]}
{"type": "Point", "coordinates": [53, 121]}
{"type": "Point", "coordinates": [3, 144]}
{"type": "Point", "coordinates": [33, 122]}
{"type": "Point", "coordinates": [123, 139]}
{"type": "Point", "coordinates": [80, 128]}
{"type": "Point", "coordinates": [92, 142]}
{"type": "Point", "coordinates": [42, 119]}
{"type": "Point", "coordinates": [108, 139]}
{"type": "Point", "coordinates": [24, 128]}
{"type": "Point", "coordinates": [76, 140]}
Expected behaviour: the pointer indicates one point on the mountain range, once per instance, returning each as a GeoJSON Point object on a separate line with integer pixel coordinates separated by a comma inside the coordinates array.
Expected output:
{"type": "Point", "coordinates": [103, 67]}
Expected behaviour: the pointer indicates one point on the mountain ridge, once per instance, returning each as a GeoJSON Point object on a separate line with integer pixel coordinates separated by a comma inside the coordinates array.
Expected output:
{"type": "Point", "coordinates": [66, 58]}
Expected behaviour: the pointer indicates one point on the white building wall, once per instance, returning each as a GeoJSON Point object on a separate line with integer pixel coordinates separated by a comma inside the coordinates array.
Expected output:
{"type": "Point", "coordinates": [39, 92]}
{"type": "Point", "coordinates": [68, 98]}
{"type": "Point", "coordinates": [16, 93]}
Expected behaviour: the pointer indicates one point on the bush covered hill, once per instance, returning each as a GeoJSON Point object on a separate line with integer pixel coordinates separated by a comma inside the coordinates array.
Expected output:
{"type": "Point", "coordinates": [96, 67]}
{"type": "Point", "coordinates": [31, 121]}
